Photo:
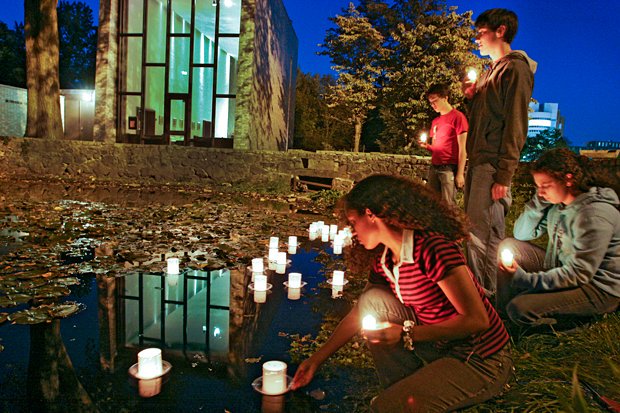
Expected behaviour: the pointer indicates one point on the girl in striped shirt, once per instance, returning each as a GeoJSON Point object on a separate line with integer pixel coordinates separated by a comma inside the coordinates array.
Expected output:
{"type": "Point", "coordinates": [442, 346]}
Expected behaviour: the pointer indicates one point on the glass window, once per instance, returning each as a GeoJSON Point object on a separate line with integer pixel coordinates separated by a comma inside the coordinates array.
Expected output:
{"type": "Point", "coordinates": [154, 99]}
{"type": "Point", "coordinates": [227, 66]}
{"type": "Point", "coordinates": [131, 64]}
{"type": "Point", "coordinates": [181, 17]}
{"type": "Point", "coordinates": [204, 33]}
{"type": "Point", "coordinates": [130, 118]}
{"type": "Point", "coordinates": [202, 101]}
{"type": "Point", "coordinates": [203, 48]}
{"type": "Point", "coordinates": [219, 321]}
{"type": "Point", "coordinates": [156, 32]}
{"type": "Point", "coordinates": [133, 15]}
{"type": "Point", "coordinates": [179, 65]}
{"type": "Point", "coordinates": [224, 118]}
{"type": "Point", "coordinates": [230, 16]}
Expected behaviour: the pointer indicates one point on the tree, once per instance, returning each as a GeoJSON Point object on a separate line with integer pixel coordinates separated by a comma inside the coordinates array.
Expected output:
{"type": "Point", "coordinates": [545, 140]}
{"type": "Point", "coordinates": [41, 30]}
{"type": "Point", "coordinates": [12, 55]}
{"type": "Point", "coordinates": [356, 50]}
{"type": "Point", "coordinates": [78, 45]}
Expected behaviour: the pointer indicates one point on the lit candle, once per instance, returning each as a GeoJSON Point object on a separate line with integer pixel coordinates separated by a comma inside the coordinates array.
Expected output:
{"type": "Point", "coordinates": [333, 230]}
{"type": "Point", "coordinates": [507, 257]}
{"type": "Point", "coordinates": [273, 254]}
{"type": "Point", "coordinates": [281, 263]}
{"type": "Point", "coordinates": [294, 293]}
{"type": "Point", "coordinates": [294, 280]}
{"type": "Point", "coordinates": [173, 266]}
{"type": "Point", "coordinates": [260, 296]}
{"type": "Point", "coordinates": [325, 233]}
{"type": "Point", "coordinates": [292, 241]}
{"type": "Point", "coordinates": [337, 291]}
{"type": "Point", "coordinates": [260, 282]}
{"type": "Point", "coordinates": [172, 280]}
{"type": "Point", "coordinates": [274, 377]}
{"type": "Point", "coordinates": [273, 242]}
{"type": "Point", "coordinates": [313, 231]}
{"type": "Point", "coordinates": [338, 242]}
{"type": "Point", "coordinates": [292, 249]}
{"type": "Point", "coordinates": [258, 265]}
{"type": "Point", "coordinates": [149, 388]}
{"type": "Point", "coordinates": [149, 363]}
{"type": "Point", "coordinates": [472, 75]}
{"type": "Point", "coordinates": [423, 137]}
{"type": "Point", "coordinates": [338, 278]}
{"type": "Point", "coordinates": [369, 322]}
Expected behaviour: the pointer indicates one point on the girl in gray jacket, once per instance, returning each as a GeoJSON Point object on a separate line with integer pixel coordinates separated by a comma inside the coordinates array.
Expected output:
{"type": "Point", "coordinates": [579, 273]}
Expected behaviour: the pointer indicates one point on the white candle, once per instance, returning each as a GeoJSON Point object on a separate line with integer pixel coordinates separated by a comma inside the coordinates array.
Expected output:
{"type": "Point", "coordinates": [149, 363]}
{"type": "Point", "coordinates": [260, 296]}
{"type": "Point", "coordinates": [313, 231]}
{"type": "Point", "coordinates": [338, 242]}
{"type": "Point", "coordinates": [149, 388]}
{"type": "Point", "coordinates": [325, 233]}
{"type": "Point", "coordinates": [281, 258]}
{"type": "Point", "coordinates": [507, 257]}
{"type": "Point", "coordinates": [294, 280]}
{"type": "Point", "coordinates": [338, 278]}
{"type": "Point", "coordinates": [274, 377]}
{"type": "Point", "coordinates": [260, 282]}
{"type": "Point", "coordinates": [337, 291]}
{"type": "Point", "coordinates": [273, 242]}
{"type": "Point", "coordinates": [258, 265]}
{"type": "Point", "coordinates": [173, 266]}
{"type": "Point", "coordinates": [294, 293]}
{"type": "Point", "coordinates": [292, 249]}
{"type": "Point", "coordinates": [273, 254]}
{"type": "Point", "coordinates": [472, 75]}
{"type": "Point", "coordinates": [333, 230]}
{"type": "Point", "coordinates": [172, 280]}
{"type": "Point", "coordinates": [423, 137]}
{"type": "Point", "coordinates": [292, 241]}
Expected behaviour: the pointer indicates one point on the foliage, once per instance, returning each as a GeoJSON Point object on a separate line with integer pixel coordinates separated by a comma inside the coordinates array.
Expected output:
{"type": "Point", "coordinates": [545, 140]}
{"type": "Point", "coordinates": [326, 199]}
{"type": "Point", "coordinates": [12, 55]}
{"type": "Point", "coordinates": [78, 45]}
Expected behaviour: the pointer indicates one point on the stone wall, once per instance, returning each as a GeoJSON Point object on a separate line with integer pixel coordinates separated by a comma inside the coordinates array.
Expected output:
{"type": "Point", "coordinates": [27, 157]}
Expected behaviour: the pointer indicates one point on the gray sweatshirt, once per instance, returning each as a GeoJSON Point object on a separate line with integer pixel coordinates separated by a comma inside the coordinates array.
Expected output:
{"type": "Point", "coordinates": [584, 242]}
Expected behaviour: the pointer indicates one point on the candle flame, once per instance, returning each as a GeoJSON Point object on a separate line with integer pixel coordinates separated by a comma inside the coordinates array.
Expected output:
{"type": "Point", "coordinates": [369, 323]}
{"type": "Point", "coordinates": [423, 137]}
{"type": "Point", "coordinates": [507, 257]}
{"type": "Point", "coordinates": [472, 75]}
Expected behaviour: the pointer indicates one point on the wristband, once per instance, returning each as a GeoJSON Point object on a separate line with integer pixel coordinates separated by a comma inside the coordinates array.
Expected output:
{"type": "Point", "coordinates": [408, 335]}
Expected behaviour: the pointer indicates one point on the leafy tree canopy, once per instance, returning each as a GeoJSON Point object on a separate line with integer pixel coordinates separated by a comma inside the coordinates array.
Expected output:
{"type": "Point", "coordinates": [545, 140]}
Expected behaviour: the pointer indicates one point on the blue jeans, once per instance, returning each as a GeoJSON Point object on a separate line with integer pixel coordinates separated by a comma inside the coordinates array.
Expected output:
{"type": "Point", "coordinates": [441, 180]}
{"type": "Point", "coordinates": [562, 307]}
{"type": "Point", "coordinates": [426, 379]}
{"type": "Point", "coordinates": [488, 224]}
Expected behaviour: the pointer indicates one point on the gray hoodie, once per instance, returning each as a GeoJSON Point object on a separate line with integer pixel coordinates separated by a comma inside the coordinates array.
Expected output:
{"type": "Point", "coordinates": [584, 242]}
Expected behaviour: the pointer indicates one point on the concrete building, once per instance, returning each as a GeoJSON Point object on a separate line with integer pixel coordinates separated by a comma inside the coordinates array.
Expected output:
{"type": "Point", "coordinates": [544, 116]}
{"type": "Point", "coordinates": [203, 73]}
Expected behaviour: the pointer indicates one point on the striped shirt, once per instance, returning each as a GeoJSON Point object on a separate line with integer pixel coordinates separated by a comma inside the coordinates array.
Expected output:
{"type": "Point", "coordinates": [426, 258]}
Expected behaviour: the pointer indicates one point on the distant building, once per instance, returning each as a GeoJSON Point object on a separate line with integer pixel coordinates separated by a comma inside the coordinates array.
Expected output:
{"type": "Point", "coordinates": [601, 149]}
{"type": "Point", "coordinates": [544, 116]}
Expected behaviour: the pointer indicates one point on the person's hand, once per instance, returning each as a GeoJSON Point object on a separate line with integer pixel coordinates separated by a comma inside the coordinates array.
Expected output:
{"type": "Point", "coordinates": [459, 180]}
{"type": "Point", "coordinates": [509, 270]}
{"type": "Point", "coordinates": [305, 373]}
{"type": "Point", "coordinates": [388, 336]}
{"type": "Point", "coordinates": [498, 191]}
{"type": "Point", "coordinates": [468, 88]}
{"type": "Point", "coordinates": [423, 145]}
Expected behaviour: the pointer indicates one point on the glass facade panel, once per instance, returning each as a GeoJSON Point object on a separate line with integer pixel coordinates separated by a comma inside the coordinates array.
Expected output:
{"type": "Point", "coordinates": [230, 16]}
{"type": "Point", "coordinates": [177, 115]}
{"type": "Point", "coordinates": [181, 16]}
{"type": "Point", "coordinates": [224, 117]}
{"type": "Point", "coordinates": [202, 101]}
{"type": "Point", "coordinates": [219, 331]}
{"type": "Point", "coordinates": [129, 115]}
{"type": "Point", "coordinates": [227, 65]}
{"type": "Point", "coordinates": [151, 306]}
{"type": "Point", "coordinates": [156, 31]}
{"type": "Point", "coordinates": [204, 33]}
{"type": "Point", "coordinates": [133, 16]}
{"type": "Point", "coordinates": [131, 58]}
{"type": "Point", "coordinates": [154, 99]}
{"type": "Point", "coordinates": [179, 65]}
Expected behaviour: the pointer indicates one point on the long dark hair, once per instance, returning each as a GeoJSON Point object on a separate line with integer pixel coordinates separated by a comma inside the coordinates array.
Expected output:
{"type": "Point", "coordinates": [403, 203]}
{"type": "Point", "coordinates": [566, 166]}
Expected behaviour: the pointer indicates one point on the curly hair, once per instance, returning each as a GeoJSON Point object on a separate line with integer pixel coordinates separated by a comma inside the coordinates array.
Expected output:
{"type": "Point", "coordinates": [403, 203]}
{"type": "Point", "coordinates": [564, 165]}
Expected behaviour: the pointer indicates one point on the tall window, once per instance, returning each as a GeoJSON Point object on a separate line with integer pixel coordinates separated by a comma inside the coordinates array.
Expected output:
{"type": "Point", "coordinates": [178, 69]}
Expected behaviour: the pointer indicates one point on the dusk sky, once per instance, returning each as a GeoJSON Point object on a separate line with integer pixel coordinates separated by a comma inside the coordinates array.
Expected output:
{"type": "Point", "coordinates": [575, 42]}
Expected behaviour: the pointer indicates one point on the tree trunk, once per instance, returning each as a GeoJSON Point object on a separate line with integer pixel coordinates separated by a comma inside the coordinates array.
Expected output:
{"type": "Point", "coordinates": [53, 386]}
{"type": "Point", "coordinates": [42, 45]}
{"type": "Point", "coordinates": [358, 136]}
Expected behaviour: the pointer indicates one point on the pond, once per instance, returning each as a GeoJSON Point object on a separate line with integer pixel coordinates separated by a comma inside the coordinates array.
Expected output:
{"type": "Point", "coordinates": [215, 332]}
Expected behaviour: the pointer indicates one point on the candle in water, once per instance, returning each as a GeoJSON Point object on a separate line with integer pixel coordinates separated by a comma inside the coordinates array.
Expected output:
{"type": "Point", "coordinates": [273, 242]}
{"type": "Point", "coordinates": [281, 263]}
{"type": "Point", "coordinates": [507, 257]}
{"type": "Point", "coordinates": [294, 293]}
{"type": "Point", "coordinates": [274, 377]}
{"type": "Point", "coordinates": [333, 230]}
{"type": "Point", "coordinates": [338, 278]}
{"type": "Point", "coordinates": [337, 291]}
{"type": "Point", "coordinates": [260, 282]}
{"type": "Point", "coordinates": [294, 280]}
{"type": "Point", "coordinates": [325, 233]}
{"type": "Point", "coordinates": [313, 231]}
{"type": "Point", "coordinates": [260, 296]}
{"type": "Point", "coordinates": [338, 242]}
{"type": "Point", "coordinates": [150, 363]}
{"type": "Point", "coordinates": [173, 266]}
{"type": "Point", "coordinates": [258, 265]}
{"type": "Point", "coordinates": [273, 254]}
{"type": "Point", "coordinates": [292, 249]}
{"type": "Point", "coordinates": [292, 241]}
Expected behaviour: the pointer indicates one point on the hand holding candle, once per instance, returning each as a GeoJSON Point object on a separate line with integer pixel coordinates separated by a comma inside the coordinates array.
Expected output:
{"type": "Point", "coordinates": [472, 75]}
{"type": "Point", "coordinates": [423, 137]}
{"type": "Point", "coordinates": [507, 257]}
